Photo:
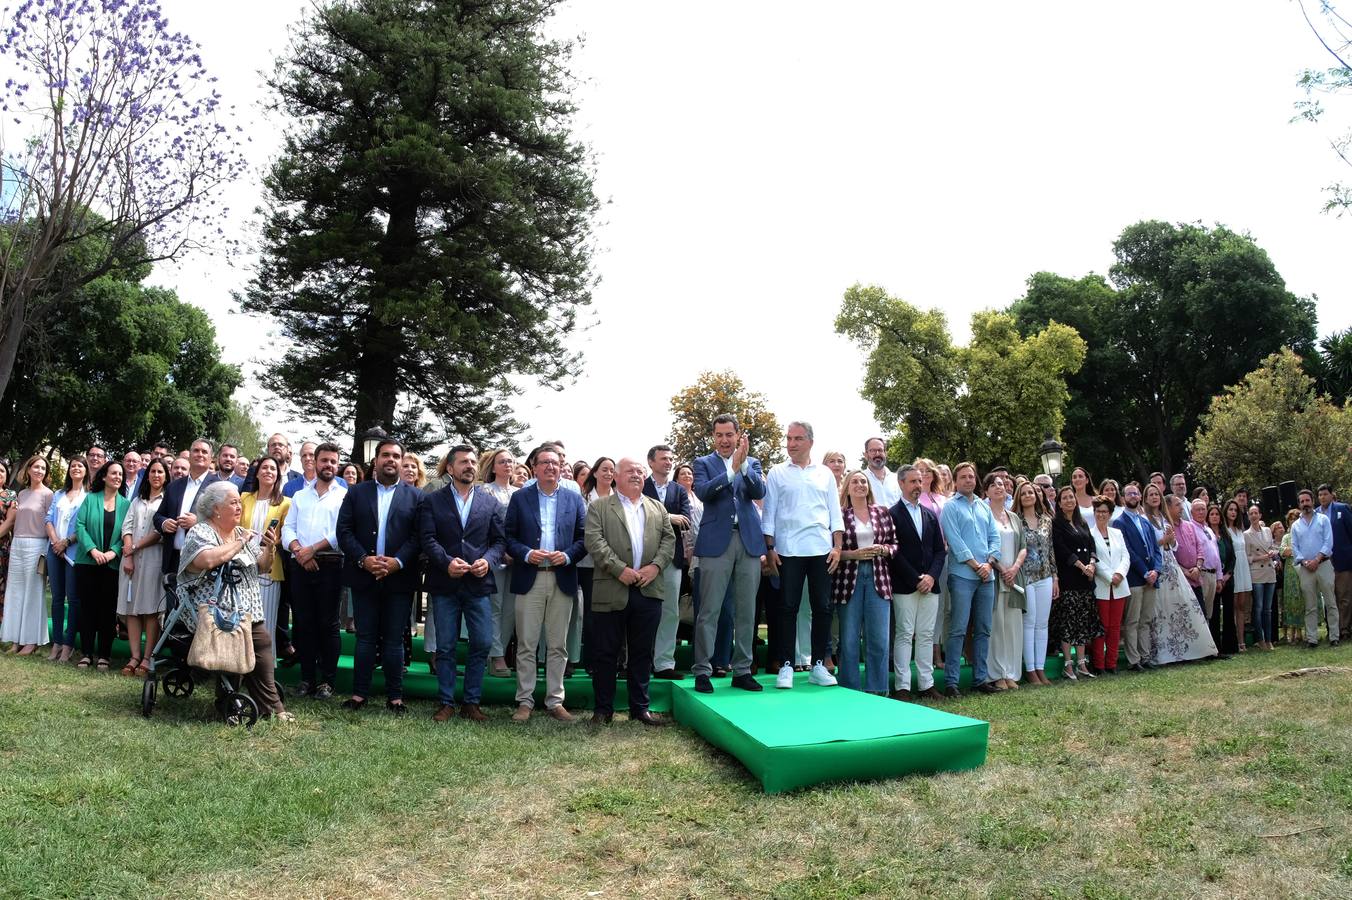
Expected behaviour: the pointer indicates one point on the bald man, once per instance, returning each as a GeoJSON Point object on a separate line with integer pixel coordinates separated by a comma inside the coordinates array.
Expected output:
{"type": "Point", "coordinates": [630, 540]}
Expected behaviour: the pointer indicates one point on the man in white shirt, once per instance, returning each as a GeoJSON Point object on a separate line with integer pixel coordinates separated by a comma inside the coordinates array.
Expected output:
{"type": "Point", "coordinates": [315, 572]}
{"type": "Point", "coordinates": [803, 529]}
{"type": "Point", "coordinates": [886, 490]}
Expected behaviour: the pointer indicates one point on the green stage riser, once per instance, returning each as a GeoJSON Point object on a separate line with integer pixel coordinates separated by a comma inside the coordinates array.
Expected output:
{"type": "Point", "coordinates": [827, 735]}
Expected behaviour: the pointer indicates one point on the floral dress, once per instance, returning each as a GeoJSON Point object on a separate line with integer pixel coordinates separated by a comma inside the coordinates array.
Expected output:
{"type": "Point", "coordinates": [1293, 602]}
{"type": "Point", "coordinates": [8, 500]}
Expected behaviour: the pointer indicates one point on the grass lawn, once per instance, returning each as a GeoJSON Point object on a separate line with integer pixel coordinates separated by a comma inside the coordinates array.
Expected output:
{"type": "Point", "coordinates": [1184, 782]}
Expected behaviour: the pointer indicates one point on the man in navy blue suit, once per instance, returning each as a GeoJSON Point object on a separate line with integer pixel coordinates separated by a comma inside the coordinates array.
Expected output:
{"type": "Point", "coordinates": [174, 516]}
{"type": "Point", "coordinates": [1147, 561]}
{"type": "Point", "coordinates": [1340, 517]}
{"type": "Point", "coordinates": [380, 541]}
{"type": "Point", "coordinates": [915, 569]}
{"type": "Point", "coordinates": [462, 538]}
{"type": "Point", "coordinates": [730, 546]}
{"type": "Point", "coordinates": [546, 529]}
{"type": "Point", "coordinates": [660, 487]}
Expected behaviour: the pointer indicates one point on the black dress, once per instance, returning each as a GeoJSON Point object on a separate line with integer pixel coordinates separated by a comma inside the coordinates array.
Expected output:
{"type": "Point", "coordinates": [1075, 618]}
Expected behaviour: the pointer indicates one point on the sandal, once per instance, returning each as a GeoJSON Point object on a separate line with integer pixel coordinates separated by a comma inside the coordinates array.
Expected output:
{"type": "Point", "coordinates": [83, 663]}
{"type": "Point", "coordinates": [144, 668]}
{"type": "Point", "coordinates": [1084, 670]}
{"type": "Point", "coordinates": [130, 668]}
{"type": "Point", "coordinates": [1070, 672]}
{"type": "Point", "coordinates": [102, 665]}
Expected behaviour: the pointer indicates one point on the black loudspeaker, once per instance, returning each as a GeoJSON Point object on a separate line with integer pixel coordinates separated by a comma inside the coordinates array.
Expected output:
{"type": "Point", "coordinates": [1288, 496]}
{"type": "Point", "coordinates": [1271, 503]}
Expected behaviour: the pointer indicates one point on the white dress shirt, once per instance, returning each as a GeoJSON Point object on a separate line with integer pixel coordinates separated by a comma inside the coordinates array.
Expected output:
{"type": "Point", "coordinates": [190, 489]}
{"type": "Point", "coordinates": [885, 492]}
{"type": "Point", "coordinates": [634, 519]}
{"type": "Point", "coordinates": [802, 509]}
{"type": "Point", "coordinates": [314, 516]}
{"type": "Point", "coordinates": [917, 518]}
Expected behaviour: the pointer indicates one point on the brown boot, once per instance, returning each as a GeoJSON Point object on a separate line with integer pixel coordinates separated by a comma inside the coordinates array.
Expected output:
{"type": "Point", "coordinates": [444, 714]}
{"type": "Point", "coordinates": [472, 712]}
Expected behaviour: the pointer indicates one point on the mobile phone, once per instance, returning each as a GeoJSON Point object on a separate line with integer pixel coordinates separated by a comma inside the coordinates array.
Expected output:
{"type": "Point", "coordinates": [273, 524]}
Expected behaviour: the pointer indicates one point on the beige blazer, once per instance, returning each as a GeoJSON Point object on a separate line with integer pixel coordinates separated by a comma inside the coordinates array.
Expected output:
{"type": "Point", "coordinates": [608, 543]}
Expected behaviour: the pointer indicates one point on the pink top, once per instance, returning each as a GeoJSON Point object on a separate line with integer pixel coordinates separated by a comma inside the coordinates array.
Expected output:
{"type": "Point", "coordinates": [31, 519]}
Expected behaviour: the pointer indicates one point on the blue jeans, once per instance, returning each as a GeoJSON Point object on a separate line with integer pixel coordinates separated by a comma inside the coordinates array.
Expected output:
{"type": "Point", "coordinates": [380, 617]}
{"type": "Point", "coordinates": [478, 616]}
{"type": "Point", "coordinates": [871, 614]}
{"type": "Point", "coordinates": [974, 600]}
{"type": "Point", "coordinates": [65, 605]}
{"type": "Point", "coordinates": [1262, 610]}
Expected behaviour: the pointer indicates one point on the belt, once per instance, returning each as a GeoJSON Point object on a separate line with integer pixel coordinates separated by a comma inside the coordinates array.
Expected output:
{"type": "Point", "coordinates": [328, 557]}
{"type": "Point", "coordinates": [1209, 571]}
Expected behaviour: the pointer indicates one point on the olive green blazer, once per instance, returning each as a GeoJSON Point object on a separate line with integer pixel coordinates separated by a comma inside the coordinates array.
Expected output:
{"type": "Point", "coordinates": [607, 539]}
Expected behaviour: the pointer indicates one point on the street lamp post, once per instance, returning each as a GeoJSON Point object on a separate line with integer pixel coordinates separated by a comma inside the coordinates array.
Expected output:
{"type": "Point", "coordinates": [370, 440]}
{"type": "Point", "coordinates": [1051, 452]}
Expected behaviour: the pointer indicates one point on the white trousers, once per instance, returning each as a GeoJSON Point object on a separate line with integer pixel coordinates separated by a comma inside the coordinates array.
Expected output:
{"type": "Point", "coordinates": [915, 615]}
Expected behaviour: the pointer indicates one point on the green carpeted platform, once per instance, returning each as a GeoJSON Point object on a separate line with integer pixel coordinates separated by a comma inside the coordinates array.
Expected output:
{"type": "Point", "coordinates": [810, 735]}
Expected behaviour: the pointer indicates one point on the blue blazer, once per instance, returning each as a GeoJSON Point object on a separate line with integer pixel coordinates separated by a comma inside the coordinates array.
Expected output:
{"type": "Point", "coordinates": [678, 503]}
{"type": "Point", "coordinates": [171, 508]}
{"type": "Point", "coordinates": [443, 539]}
{"type": "Point", "coordinates": [720, 497]}
{"type": "Point", "coordinates": [917, 554]}
{"type": "Point", "coordinates": [523, 535]}
{"type": "Point", "coordinates": [1340, 518]}
{"type": "Point", "coordinates": [1145, 555]}
{"type": "Point", "coordinates": [357, 524]}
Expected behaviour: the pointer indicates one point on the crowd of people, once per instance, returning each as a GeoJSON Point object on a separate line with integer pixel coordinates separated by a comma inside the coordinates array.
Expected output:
{"type": "Point", "coordinates": [867, 578]}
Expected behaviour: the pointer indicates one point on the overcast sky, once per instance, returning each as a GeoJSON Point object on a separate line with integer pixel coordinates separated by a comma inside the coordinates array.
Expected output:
{"type": "Point", "coordinates": [756, 159]}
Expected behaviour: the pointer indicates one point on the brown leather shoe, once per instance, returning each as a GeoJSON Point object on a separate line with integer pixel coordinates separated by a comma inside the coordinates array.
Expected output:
{"type": "Point", "coordinates": [472, 712]}
{"type": "Point", "coordinates": [903, 695]}
{"type": "Point", "coordinates": [647, 718]}
{"type": "Point", "coordinates": [444, 714]}
{"type": "Point", "coordinates": [931, 693]}
{"type": "Point", "coordinates": [558, 713]}
{"type": "Point", "coordinates": [522, 713]}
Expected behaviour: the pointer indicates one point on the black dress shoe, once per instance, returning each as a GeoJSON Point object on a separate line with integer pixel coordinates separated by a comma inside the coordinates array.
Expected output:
{"type": "Point", "coordinates": [1310, 646]}
{"type": "Point", "coordinates": [931, 693]}
{"type": "Point", "coordinates": [398, 709]}
{"type": "Point", "coordinates": [703, 685]}
{"type": "Point", "coordinates": [353, 703]}
{"type": "Point", "coordinates": [599, 719]}
{"type": "Point", "coordinates": [989, 687]}
{"type": "Point", "coordinates": [952, 693]}
{"type": "Point", "coordinates": [1136, 667]}
{"type": "Point", "coordinates": [669, 675]}
{"type": "Point", "coordinates": [903, 695]}
{"type": "Point", "coordinates": [747, 683]}
{"type": "Point", "coordinates": [647, 718]}
{"type": "Point", "coordinates": [1333, 643]}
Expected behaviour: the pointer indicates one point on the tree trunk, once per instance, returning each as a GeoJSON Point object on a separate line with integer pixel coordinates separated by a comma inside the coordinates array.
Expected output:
{"type": "Point", "coordinates": [14, 327]}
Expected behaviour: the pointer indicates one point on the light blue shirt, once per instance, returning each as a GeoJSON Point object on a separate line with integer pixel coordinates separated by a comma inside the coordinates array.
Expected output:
{"type": "Point", "coordinates": [384, 497]}
{"type": "Point", "coordinates": [970, 531]}
{"type": "Point", "coordinates": [916, 518]}
{"type": "Point", "coordinates": [463, 506]}
{"type": "Point", "coordinates": [1309, 539]}
{"type": "Point", "coordinates": [548, 504]}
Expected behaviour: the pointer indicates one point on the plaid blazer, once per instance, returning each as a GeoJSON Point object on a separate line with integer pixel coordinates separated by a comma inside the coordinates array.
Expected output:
{"type": "Point", "coordinates": [885, 535]}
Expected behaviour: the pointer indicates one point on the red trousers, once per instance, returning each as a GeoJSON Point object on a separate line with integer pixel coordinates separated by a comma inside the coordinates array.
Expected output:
{"type": "Point", "coordinates": [1104, 649]}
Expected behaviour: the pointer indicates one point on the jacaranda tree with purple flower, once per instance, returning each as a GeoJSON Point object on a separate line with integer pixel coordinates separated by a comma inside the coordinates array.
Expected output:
{"type": "Point", "coordinates": [110, 128]}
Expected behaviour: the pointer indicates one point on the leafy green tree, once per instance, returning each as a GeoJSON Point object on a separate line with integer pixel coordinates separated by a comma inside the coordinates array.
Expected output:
{"type": "Point", "coordinates": [427, 230]}
{"type": "Point", "coordinates": [693, 410]}
{"type": "Point", "coordinates": [1190, 310]}
{"type": "Point", "coordinates": [120, 363]}
{"type": "Point", "coordinates": [989, 402]}
{"type": "Point", "coordinates": [242, 430]}
{"type": "Point", "coordinates": [913, 374]}
{"type": "Point", "coordinates": [1331, 365]}
{"type": "Point", "coordinates": [1272, 427]}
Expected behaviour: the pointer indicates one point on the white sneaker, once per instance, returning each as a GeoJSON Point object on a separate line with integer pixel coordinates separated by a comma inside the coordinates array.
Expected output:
{"type": "Point", "coordinates": [821, 676]}
{"type": "Point", "coordinates": [785, 678]}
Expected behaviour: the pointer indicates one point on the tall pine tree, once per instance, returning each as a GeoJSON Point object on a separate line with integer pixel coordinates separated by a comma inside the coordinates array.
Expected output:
{"type": "Point", "coordinates": [428, 224]}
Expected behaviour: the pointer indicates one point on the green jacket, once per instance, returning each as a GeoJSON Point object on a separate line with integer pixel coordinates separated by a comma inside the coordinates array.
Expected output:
{"type": "Point", "coordinates": [89, 529]}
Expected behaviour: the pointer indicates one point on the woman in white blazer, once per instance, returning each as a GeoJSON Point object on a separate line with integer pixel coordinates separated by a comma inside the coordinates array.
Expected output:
{"type": "Point", "coordinates": [1110, 585]}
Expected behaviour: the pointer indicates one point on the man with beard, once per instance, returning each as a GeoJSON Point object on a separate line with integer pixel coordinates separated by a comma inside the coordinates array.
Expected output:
{"type": "Point", "coordinates": [461, 527]}
{"type": "Point", "coordinates": [378, 534]}
{"type": "Point", "coordinates": [1146, 564]}
{"type": "Point", "coordinates": [314, 571]}
{"type": "Point", "coordinates": [886, 489]}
